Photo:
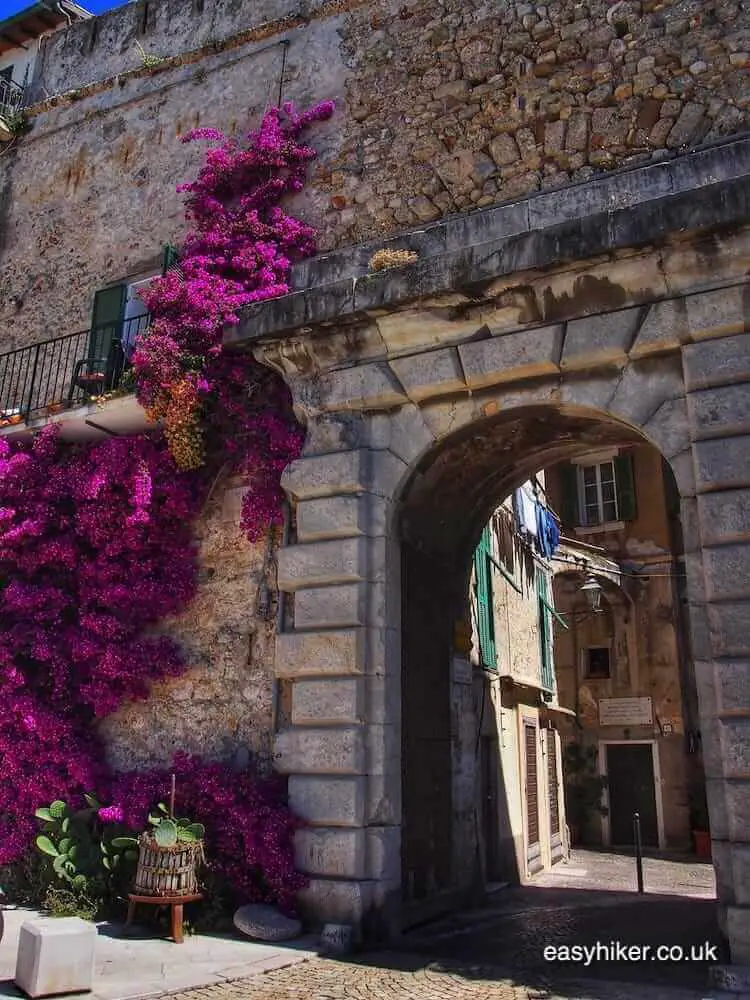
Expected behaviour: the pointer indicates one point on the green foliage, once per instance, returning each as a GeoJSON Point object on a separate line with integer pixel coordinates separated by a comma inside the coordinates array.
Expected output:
{"type": "Point", "coordinates": [169, 831]}
{"type": "Point", "coordinates": [73, 902]}
{"type": "Point", "coordinates": [25, 881]}
{"type": "Point", "coordinates": [149, 60]}
{"type": "Point", "coordinates": [16, 122]}
{"type": "Point", "coordinates": [165, 833]}
{"type": "Point", "coordinates": [584, 786]}
{"type": "Point", "coordinates": [89, 860]}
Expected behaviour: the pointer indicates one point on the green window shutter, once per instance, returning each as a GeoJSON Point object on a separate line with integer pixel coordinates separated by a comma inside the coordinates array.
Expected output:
{"type": "Point", "coordinates": [170, 258]}
{"type": "Point", "coordinates": [485, 608]}
{"type": "Point", "coordinates": [545, 634]}
{"type": "Point", "coordinates": [625, 482]}
{"type": "Point", "coordinates": [569, 512]}
{"type": "Point", "coordinates": [106, 319]}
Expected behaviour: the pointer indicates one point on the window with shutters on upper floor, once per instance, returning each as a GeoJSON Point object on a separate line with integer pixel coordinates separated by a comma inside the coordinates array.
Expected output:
{"type": "Point", "coordinates": [599, 492]}
{"type": "Point", "coordinates": [119, 314]}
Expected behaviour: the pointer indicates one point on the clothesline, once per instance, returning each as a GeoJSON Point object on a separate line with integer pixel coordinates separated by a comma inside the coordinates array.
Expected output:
{"type": "Point", "coordinates": [536, 522]}
{"type": "Point", "coordinates": [538, 487]}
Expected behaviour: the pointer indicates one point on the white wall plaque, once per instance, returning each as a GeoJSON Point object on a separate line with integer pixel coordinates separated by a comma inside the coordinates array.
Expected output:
{"type": "Point", "coordinates": [625, 712]}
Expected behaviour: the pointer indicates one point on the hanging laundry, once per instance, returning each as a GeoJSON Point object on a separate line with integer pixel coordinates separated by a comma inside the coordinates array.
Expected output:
{"type": "Point", "coordinates": [548, 533]}
{"type": "Point", "coordinates": [526, 513]}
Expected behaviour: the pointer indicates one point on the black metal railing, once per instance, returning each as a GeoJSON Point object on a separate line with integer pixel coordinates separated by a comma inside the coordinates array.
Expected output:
{"type": "Point", "coordinates": [58, 374]}
{"type": "Point", "coordinates": [11, 98]}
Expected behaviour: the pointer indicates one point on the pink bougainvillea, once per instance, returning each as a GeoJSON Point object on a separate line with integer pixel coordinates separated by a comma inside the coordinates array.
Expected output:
{"type": "Point", "coordinates": [249, 831]}
{"type": "Point", "coordinates": [96, 547]}
{"type": "Point", "coordinates": [239, 251]}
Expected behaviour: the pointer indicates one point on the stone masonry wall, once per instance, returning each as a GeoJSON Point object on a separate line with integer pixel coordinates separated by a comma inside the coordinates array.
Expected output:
{"type": "Point", "coordinates": [223, 704]}
{"type": "Point", "coordinates": [462, 105]}
{"type": "Point", "coordinates": [441, 109]}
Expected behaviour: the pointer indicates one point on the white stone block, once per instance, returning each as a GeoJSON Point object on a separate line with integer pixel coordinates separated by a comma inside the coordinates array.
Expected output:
{"type": "Point", "coordinates": [55, 955]}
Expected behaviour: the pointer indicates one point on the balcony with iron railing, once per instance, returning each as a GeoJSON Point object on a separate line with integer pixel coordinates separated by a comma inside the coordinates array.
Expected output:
{"type": "Point", "coordinates": [63, 379]}
{"type": "Point", "coordinates": [11, 102]}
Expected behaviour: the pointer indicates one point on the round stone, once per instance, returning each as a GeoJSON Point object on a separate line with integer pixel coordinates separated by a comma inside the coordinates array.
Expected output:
{"type": "Point", "coordinates": [265, 923]}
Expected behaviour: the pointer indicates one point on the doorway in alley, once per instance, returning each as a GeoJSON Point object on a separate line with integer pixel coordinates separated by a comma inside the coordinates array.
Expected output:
{"type": "Point", "coordinates": [631, 790]}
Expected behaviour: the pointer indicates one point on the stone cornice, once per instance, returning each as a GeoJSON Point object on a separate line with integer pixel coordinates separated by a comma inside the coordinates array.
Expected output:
{"type": "Point", "coordinates": [461, 257]}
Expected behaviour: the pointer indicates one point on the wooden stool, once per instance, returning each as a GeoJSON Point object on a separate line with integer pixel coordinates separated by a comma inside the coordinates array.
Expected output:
{"type": "Point", "coordinates": [175, 902]}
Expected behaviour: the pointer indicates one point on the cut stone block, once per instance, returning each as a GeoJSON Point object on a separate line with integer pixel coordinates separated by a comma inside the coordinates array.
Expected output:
{"type": "Point", "coordinates": [55, 955]}
{"type": "Point", "coordinates": [265, 923]}
{"type": "Point", "coordinates": [337, 939]}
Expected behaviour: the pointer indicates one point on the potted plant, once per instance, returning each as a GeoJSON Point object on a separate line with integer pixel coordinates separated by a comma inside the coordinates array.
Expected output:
{"type": "Point", "coordinates": [584, 787]}
{"type": "Point", "coordinates": [170, 853]}
{"type": "Point", "coordinates": [699, 824]}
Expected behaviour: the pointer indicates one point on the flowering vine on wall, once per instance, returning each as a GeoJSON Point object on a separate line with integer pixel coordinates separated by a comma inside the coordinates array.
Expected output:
{"type": "Point", "coordinates": [239, 251]}
{"type": "Point", "coordinates": [96, 548]}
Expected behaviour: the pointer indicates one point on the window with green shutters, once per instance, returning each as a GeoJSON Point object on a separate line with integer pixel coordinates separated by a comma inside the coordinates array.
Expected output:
{"type": "Point", "coordinates": [170, 258]}
{"type": "Point", "coordinates": [484, 603]}
{"type": "Point", "coordinates": [118, 309]}
{"type": "Point", "coordinates": [600, 493]}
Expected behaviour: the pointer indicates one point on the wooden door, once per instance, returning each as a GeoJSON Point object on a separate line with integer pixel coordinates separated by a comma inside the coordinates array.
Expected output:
{"type": "Point", "coordinates": [553, 797]}
{"type": "Point", "coordinates": [630, 776]}
{"type": "Point", "coordinates": [531, 772]}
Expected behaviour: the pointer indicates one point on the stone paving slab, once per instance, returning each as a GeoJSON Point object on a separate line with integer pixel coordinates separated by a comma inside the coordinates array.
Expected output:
{"type": "Point", "coordinates": [127, 968]}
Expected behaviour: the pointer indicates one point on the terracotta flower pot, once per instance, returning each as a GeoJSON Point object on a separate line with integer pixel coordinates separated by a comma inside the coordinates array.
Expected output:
{"type": "Point", "coordinates": [15, 419]}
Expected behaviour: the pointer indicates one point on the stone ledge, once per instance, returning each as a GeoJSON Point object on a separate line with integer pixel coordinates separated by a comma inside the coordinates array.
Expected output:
{"type": "Point", "coordinates": [624, 210]}
{"type": "Point", "coordinates": [617, 189]}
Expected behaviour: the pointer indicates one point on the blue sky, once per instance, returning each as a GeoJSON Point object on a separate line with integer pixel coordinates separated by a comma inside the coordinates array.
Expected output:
{"type": "Point", "coordinates": [10, 7]}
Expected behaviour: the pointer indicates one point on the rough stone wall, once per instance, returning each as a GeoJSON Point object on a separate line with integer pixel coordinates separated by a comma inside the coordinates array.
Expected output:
{"type": "Point", "coordinates": [465, 104]}
{"type": "Point", "coordinates": [440, 110]}
{"type": "Point", "coordinates": [90, 192]}
{"type": "Point", "coordinates": [223, 705]}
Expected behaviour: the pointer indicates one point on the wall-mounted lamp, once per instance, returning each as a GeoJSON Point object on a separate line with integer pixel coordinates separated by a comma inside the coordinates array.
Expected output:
{"type": "Point", "coordinates": [592, 591]}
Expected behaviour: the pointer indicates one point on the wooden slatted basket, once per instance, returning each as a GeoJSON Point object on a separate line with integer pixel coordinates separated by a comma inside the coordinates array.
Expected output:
{"type": "Point", "coordinates": [167, 871]}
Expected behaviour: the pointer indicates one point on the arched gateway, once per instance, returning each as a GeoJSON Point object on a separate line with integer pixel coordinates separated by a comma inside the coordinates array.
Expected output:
{"type": "Point", "coordinates": [523, 335]}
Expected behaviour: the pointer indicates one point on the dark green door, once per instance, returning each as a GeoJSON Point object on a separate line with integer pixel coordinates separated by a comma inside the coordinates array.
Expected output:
{"type": "Point", "coordinates": [630, 774]}
{"type": "Point", "coordinates": [104, 350]}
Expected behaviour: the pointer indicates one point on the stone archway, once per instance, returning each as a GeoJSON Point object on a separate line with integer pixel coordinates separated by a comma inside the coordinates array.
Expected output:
{"type": "Point", "coordinates": [356, 507]}
{"type": "Point", "coordinates": [386, 400]}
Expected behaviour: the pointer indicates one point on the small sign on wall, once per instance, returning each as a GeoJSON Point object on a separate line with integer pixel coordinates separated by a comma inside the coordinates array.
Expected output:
{"type": "Point", "coordinates": [626, 712]}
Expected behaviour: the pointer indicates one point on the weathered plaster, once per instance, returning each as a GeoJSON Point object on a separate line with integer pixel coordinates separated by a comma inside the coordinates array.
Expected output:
{"type": "Point", "coordinates": [223, 705]}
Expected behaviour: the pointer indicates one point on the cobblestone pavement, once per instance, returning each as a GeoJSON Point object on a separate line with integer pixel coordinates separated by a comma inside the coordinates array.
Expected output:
{"type": "Point", "coordinates": [590, 900]}
{"type": "Point", "coordinates": [666, 874]}
{"type": "Point", "coordinates": [496, 952]}
{"type": "Point", "coordinates": [388, 976]}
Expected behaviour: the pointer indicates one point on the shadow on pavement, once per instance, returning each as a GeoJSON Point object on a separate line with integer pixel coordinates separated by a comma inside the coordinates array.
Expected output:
{"type": "Point", "coordinates": [544, 937]}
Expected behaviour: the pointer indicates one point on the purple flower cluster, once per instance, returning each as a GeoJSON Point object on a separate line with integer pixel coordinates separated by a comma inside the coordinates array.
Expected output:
{"type": "Point", "coordinates": [249, 829]}
{"type": "Point", "coordinates": [96, 545]}
{"type": "Point", "coordinates": [239, 251]}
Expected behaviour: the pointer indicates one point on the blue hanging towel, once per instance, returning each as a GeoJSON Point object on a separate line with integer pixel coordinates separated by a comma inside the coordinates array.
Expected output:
{"type": "Point", "coordinates": [548, 534]}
